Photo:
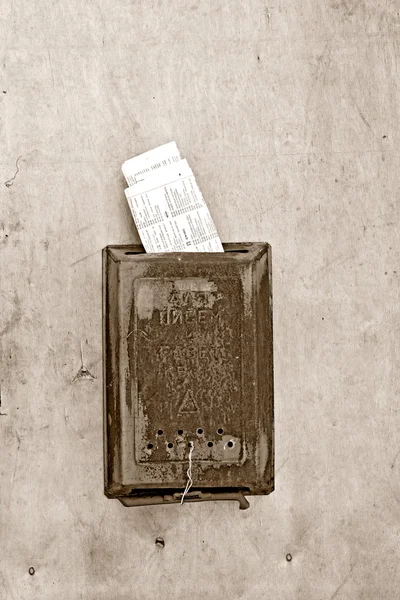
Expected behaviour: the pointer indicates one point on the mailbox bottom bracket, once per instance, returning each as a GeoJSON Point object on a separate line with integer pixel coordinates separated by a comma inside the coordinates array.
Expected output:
{"type": "Point", "coordinates": [165, 496]}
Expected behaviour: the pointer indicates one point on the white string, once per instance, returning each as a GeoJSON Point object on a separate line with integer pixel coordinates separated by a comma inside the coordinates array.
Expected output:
{"type": "Point", "coordinates": [189, 473]}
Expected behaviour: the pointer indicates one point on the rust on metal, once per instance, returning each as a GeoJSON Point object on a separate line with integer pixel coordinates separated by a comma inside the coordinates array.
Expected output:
{"type": "Point", "coordinates": [188, 360]}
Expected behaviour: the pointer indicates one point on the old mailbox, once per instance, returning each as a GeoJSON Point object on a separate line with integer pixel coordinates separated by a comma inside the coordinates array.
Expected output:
{"type": "Point", "coordinates": [188, 374]}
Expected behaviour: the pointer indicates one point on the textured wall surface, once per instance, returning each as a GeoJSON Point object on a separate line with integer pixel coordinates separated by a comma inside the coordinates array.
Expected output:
{"type": "Point", "coordinates": [289, 115]}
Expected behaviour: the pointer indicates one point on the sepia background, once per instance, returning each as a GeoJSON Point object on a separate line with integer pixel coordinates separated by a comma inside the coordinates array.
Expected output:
{"type": "Point", "coordinates": [288, 113]}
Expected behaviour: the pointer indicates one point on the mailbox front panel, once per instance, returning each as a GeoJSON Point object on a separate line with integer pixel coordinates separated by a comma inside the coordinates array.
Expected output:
{"type": "Point", "coordinates": [190, 330]}
{"type": "Point", "coordinates": [188, 360]}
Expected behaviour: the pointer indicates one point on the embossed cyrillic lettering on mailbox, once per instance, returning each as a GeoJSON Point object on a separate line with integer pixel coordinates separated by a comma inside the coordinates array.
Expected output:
{"type": "Point", "coordinates": [193, 338]}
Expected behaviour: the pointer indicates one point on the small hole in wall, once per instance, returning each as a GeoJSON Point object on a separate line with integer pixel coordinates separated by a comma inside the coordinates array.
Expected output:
{"type": "Point", "coordinates": [180, 431]}
{"type": "Point", "coordinates": [220, 431]}
{"type": "Point", "coordinates": [170, 445]}
{"type": "Point", "coordinates": [230, 444]}
{"type": "Point", "coordinates": [210, 444]}
{"type": "Point", "coordinates": [149, 446]}
{"type": "Point", "coordinates": [200, 431]}
{"type": "Point", "coordinates": [31, 571]}
{"type": "Point", "coordinates": [160, 432]}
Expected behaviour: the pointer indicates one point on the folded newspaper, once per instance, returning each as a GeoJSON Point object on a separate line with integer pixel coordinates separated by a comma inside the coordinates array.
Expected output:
{"type": "Point", "coordinates": [166, 204]}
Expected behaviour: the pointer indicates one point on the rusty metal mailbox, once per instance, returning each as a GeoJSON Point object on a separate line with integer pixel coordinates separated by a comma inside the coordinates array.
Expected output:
{"type": "Point", "coordinates": [188, 366]}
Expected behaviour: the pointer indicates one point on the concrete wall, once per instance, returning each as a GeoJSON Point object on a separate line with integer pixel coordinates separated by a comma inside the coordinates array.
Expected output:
{"type": "Point", "coordinates": [289, 115]}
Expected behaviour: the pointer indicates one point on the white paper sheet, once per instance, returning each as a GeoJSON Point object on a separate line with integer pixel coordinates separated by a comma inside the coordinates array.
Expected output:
{"type": "Point", "coordinates": [141, 166]}
{"type": "Point", "coordinates": [170, 212]}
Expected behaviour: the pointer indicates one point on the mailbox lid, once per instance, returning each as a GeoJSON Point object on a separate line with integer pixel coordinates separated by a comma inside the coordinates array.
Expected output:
{"type": "Point", "coordinates": [188, 359]}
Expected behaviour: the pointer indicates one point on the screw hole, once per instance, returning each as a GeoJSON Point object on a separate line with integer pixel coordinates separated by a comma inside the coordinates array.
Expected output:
{"type": "Point", "coordinates": [200, 431]}
{"type": "Point", "coordinates": [160, 432]}
{"type": "Point", "coordinates": [31, 571]}
{"type": "Point", "coordinates": [220, 431]}
{"type": "Point", "coordinates": [230, 444]}
{"type": "Point", "coordinates": [289, 557]}
{"type": "Point", "coordinates": [149, 446]}
{"type": "Point", "coordinates": [210, 444]}
{"type": "Point", "coordinates": [160, 542]}
{"type": "Point", "coordinates": [180, 431]}
{"type": "Point", "coordinates": [170, 445]}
